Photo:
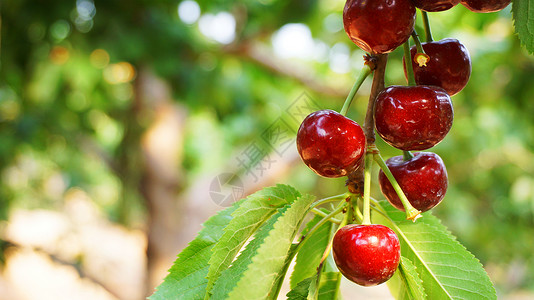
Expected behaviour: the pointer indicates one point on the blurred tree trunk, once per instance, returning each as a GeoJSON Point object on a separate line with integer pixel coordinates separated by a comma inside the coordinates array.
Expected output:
{"type": "Point", "coordinates": [161, 178]}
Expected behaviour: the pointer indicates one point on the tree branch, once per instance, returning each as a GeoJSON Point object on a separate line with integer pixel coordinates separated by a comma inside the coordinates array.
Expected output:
{"type": "Point", "coordinates": [267, 60]}
{"type": "Point", "coordinates": [355, 181]}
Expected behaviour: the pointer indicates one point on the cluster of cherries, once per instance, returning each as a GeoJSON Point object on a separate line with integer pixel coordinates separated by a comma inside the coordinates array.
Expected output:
{"type": "Point", "coordinates": [408, 118]}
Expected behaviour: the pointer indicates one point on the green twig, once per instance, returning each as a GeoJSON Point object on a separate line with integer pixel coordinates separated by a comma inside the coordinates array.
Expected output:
{"type": "Point", "coordinates": [426, 23]}
{"type": "Point", "coordinates": [411, 212]}
{"type": "Point", "coordinates": [367, 188]}
{"type": "Point", "coordinates": [330, 199]}
{"type": "Point", "coordinates": [357, 84]}
{"type": "Point", "coordinates": [417, 42]}
{"type": "Point", "coordinates": [408, 62]}
{"type": "Point", "coordinates": [421, 58]}
{"type": "Point", "coordinates": [323, 214]}
{"type": "Point", "coordinates": [342, 205]}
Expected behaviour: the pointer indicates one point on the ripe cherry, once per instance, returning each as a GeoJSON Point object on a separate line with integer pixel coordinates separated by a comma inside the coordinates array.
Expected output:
{"type": "Point", "coordinates": [366, 254]}
{"type": "Point", "coordinates": [378, 26]}
{"type": "Point", "coordinates": [435, 5]}
{"type": "Point", "coordinates": [331, 144]}
{"type": "Point", "coordinates": [413, 117]}
{"type": "Point", "coordinates": [423, 179]}
{"type": "Point", "coordinates": [449, 66]}
{"type": "Point", "coordinates": [485, 6]}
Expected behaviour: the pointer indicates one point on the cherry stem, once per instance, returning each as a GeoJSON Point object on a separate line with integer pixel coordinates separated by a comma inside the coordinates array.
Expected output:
{"type": "Point", "coordinates": [342, 205]}
{"type": "Point", "coordinates": [358, 213]}
{"type": "Point", "coordinates": [357, 84]}
{"type": "Point", "coordinates": [407, 155]}
{"type": "Point", "coordinates": [367, 188]}
{"type": "Point", "coordinates": [411, 212]}
{"type": "Point", "coordinates": [327, 251]}
{"type": "Point", "coordinates": [408, 62]}
{"type": "Point", "coordinates": [331, 199]}
{"type": "Point", "coordinates": [426, 23]}
{"type": "Point", "coordinates": [323, 214]}
{"type": "Point", "coordinates": [417, 41]}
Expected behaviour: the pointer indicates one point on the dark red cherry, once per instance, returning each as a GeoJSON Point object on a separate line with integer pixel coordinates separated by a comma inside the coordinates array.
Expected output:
{"type": "Point", "coordinates": [378, 26]}
{"type": "Point", "coordinates": [423, 179]}
{"type": "Point", "coordinates": [449, 66]}
{"type": "Point", "coordinates": [413, 117]}
{"type": "Point", "coordinates": [366, 254]}
{"type": "Point", "coordinates": [435, 5]}
{"type": "Point", "coordinates": [330, 144]}
{"type": "Point", "coordinates": [485, 6]}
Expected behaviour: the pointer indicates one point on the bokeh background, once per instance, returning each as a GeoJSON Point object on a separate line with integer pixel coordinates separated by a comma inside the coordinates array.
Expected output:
{"type": "Point", "coordinates": [126, 124]}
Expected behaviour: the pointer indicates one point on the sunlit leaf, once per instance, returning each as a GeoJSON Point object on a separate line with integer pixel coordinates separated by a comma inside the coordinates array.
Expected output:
{"type": "Point", "coordinates": [446, 268]}
{"type": "Point", "coordinates": [268, 265]}
{"type": "Point", "coordinates": [254, 211]}
{"type": "Point", "coordinates": [309, 256]}
{"type": "Point", "coordinates": [232, 275]}
{"type": "Point", "coordinates": [523, 14]}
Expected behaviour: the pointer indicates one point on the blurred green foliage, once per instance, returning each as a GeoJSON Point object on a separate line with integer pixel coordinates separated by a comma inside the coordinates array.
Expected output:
{"type": "Point", "coordinates": [67, 87]}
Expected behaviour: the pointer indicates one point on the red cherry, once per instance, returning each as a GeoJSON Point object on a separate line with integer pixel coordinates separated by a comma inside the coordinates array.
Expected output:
{"type": "Point", "coordinates": [413, 117]}
{"type": "Point", "coordinates": [366, 254]}
{"type": "Point", "coordinates": [485, 6]}
{"type": "Point", "coordinates": [423, 179]}
{"type": "Point", "coordinates": [435, 5]}
{"type": "Point", "coordinates": [449, 66]}
{"type": "Point", "coordinates": [331, 144]}
{"type": "Point", "coordinates": [378, 26]}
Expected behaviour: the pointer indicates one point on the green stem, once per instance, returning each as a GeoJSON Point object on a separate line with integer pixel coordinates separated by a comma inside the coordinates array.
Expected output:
{"type": "Point", "coordinates": [358, 214]}
{"type": "Point", "coordinates": [411, 212]}
{"type": "Point", "coordinates": [408, 62]}
{"type": "Point", "coordinates": [323, 214]}
{"type": "Point", "coordinates": [407, 155]}
{"type": "Point", "coordinates": [326, 252]}
{"type": "Point", "coordinates": [428, 33]}
{"type": "Point", "coordinates": [359, 81]}
{"type": "Point", "coordinates": [417, 41]}
{"type": "Point", "coordinates": [327, 218]}
{"type": "Point", "coordinates": [350, 210]}
{"type": "Point", "coordinates": [367, 188]}
{"type": "Point", "coordinates": [331, 199]}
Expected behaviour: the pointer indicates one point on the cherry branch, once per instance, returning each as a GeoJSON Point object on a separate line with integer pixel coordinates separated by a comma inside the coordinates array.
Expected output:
{"type": "Point", "coordinates": [265, 59]}
{"type": "Point", "coordinates": [376, 88]}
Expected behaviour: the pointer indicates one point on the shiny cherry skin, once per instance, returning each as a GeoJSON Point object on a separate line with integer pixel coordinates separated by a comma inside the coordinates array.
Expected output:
{"type": "Point", "coordinates": [435, 5]}
{"type": "Point", "coordinates": [423, 179]}
{"type": "Point", "coordinates": [331, 144]}
{"type": "Point", "coordinates": [378, 26]}
{"type": "Point", "coordinates": [413, 117]}
{"type": "Point", "coordinates": [485, 6]}
{"type": "Point", "coordinates": [366, 254]}
{"type": "Point", "coordinates": [449, 66]}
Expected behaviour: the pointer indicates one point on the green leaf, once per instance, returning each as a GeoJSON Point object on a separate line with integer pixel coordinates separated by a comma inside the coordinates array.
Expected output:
{"type": "Point", "coordinates": [187, 276]}
{"type": "Point", "coordinates": [328, 287]}
{"type": "Point", "coordinates": [446, 268]}
{"type": "Point", "coordinates": [260, 280]}
{"type": "Point", "coordinates": [312, 250]}
{"type": "Point", "coordinates": [406, 283]}
{"type": "Point", "coordinates": [254, 211]}
{"type": "Point", "coordinates": [301, 290]}
{"type": "Point", "coordinates": [523, 14]}
{"type": "Point", "coordinates": [229, 277]}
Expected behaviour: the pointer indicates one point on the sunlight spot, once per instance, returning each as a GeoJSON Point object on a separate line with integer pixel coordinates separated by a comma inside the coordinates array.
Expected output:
{"type": "Point", "coordinates": [293, 41]}
{"type": "Point", "coordinates": [219, 27]}
{"type": "Point", "coordinates": [119, 73]}
{"type": "Point", "coordinates": [188, 11]}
